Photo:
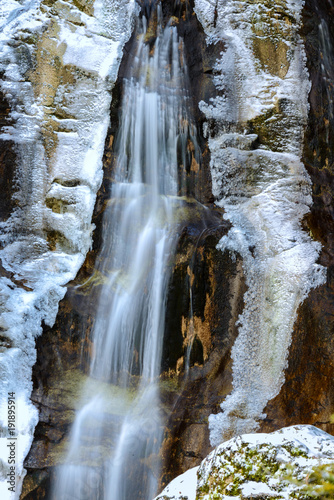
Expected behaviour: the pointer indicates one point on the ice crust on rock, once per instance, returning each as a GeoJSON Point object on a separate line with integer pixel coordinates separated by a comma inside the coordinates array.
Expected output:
{"type": "Point", "coordinates": [264, 188]}
{"type": "Point", "coordinates": [58, 127]}
{"type": "Point", "coordinates": [256, 465]}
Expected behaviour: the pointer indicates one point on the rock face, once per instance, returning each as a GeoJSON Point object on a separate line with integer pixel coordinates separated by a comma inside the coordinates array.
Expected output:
{"type": "Point", "coordinates": [277, 465]}
{"type": "Point", "coordinates": [307, 395]}
{"type": "Point", "coordinates": [259, 179]}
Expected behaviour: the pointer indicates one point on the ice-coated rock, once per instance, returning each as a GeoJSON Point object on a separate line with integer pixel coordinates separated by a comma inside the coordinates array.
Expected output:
{"type": "Point", "coordinates": [58, 61]}
{"type": "Point", "coordinates": [275, 465]}
{"type": "Point", "coordinates": [257, 122]}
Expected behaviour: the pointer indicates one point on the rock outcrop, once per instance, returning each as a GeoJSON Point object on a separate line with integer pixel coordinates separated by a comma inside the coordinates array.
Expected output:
{"type": "Point", "coordinates": [307, 395]}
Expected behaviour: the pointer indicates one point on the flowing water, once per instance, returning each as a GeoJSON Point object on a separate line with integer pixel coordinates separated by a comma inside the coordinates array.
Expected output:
{"type": "Point", "coordinates": [326, 68]}
{"type": "Point", "coordinates": [116, 436]}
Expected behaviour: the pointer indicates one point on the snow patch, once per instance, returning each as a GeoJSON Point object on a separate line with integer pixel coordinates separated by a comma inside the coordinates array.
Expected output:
{"type": "Point", "coordinates": [182, 486]}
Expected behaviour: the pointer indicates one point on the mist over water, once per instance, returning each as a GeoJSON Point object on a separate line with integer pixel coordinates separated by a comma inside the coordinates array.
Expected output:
{"type": "Point", "coordinates": [115, 439]}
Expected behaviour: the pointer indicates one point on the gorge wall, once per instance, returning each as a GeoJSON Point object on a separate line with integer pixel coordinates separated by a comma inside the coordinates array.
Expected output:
{"type": "Point", "coordinates": [58, 65]}
{"type": "Point", "coordinates": [257, 249]}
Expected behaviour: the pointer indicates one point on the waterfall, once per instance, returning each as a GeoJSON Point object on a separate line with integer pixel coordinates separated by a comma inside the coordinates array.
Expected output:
{"type": "Point", "coordinates": [326, 57]}
{"type": "Point", "coordinates": [115, 439]}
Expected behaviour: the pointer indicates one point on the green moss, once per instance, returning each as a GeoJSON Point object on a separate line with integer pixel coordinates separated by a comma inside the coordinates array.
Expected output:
{"type": "Point", "coordinates": [56, 205]}
{"type": "Point", "coordinates": [259, 464]}
{"type": "Point", "coordinates": [248, 464]}
{"type": "Point", "coordinates": [96, 279]}
{"type": "Point", "coordinates": [296, 452]}
{"type": "Point", "coordinates": [56, 240]}
{"type": "Point", "coordinates": [73, 389]}
{"type": "Point", "coordinates": [169, 384]}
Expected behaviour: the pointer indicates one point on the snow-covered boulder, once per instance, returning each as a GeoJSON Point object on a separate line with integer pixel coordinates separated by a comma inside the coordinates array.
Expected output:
{"type": "Point", "coordinates": [265, 466]}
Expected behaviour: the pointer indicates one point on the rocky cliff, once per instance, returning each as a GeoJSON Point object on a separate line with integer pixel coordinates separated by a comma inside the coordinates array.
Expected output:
{"type": "Point", "coordinates": [249, 314]}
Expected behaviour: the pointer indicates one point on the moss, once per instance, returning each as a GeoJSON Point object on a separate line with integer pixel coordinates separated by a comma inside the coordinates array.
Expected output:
{"type": "Point", "coordinates": [296, 452]}
{"type": "Point", "coordinates": [259, 464]}
{"type": "Point", "coordinates": [248, 464]}
{"type": "Point", "coordinates": [56, 205]}
{"type": "Point", "coordinates": [96, 279]}
{"type": "Point", "coordinates": [73, 389]}
{"type": "Point", "coordinates": [169, 384]}
{"type": "Point", "coordinates": [188, 210]}
{"type": "Point", "coordinates": [271, 127]}
{"type": "Point", "coordinates": [57, 240]}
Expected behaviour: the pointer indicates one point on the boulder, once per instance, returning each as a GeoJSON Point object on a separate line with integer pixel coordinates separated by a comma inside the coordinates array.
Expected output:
{"type": "Point", "coordinates": [282, 465]}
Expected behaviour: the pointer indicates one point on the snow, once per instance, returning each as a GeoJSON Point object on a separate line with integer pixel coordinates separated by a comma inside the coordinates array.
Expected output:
{"type": "Point", "coordinates": [265, 192]}
{"type": "Point", "coordinates": [184, 485]}
{"type": "Point", "coordinates": [251, 489]}
{"type": "Point", "coordinates": [91, 51]}
{"type": "Point", "coordinates": [81, 51]}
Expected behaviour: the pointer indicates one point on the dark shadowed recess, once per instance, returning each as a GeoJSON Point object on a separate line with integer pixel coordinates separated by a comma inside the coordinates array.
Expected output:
{"type": "Point", "coordinates": [7, 161]}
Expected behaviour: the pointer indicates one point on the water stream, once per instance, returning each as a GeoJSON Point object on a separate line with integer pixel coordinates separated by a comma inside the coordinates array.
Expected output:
{"type": "Point", "coordinates": [115, 439]}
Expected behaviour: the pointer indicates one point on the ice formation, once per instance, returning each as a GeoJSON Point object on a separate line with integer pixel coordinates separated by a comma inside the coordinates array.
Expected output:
{"type": "Point", "coordinates": [275, 465]}
{"type": "Point", "coordinates": [260, 111]}
{"type": "Point", "coordinates": [58, 64]}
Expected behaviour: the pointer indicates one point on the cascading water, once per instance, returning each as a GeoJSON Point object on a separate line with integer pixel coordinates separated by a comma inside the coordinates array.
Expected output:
{"type": "Point", "coordinates": [116, 436]}
{"type": "Point", "coordinates": [326, 65]}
